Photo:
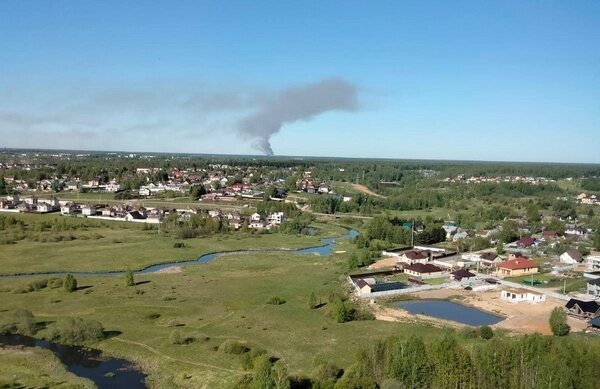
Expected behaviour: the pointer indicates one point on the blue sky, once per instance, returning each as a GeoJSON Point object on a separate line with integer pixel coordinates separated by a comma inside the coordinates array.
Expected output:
{"type": "Point", "coordinates": [468, 80]}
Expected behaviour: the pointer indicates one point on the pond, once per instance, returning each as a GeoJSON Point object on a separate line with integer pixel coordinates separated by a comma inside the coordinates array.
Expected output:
{"type": "Point", "coordinates": [325, 248]}
{"type": "Point", "coordinates": [87, 363]}
{"type": "Point", "coordinates": [448, 310]}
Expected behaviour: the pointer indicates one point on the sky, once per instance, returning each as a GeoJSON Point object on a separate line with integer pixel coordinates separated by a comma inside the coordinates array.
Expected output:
{"type": "Point", "coordinates": [461, 80]}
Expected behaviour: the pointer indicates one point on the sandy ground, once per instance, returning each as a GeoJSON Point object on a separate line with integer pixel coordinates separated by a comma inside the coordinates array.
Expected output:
{"type": "Point", "coordinates": [365, 190]}
{"type": "Point", "coordinates": [520, 317]}
{"type": "Point", "coordinates": [169, 270]}
{"type": "Point", "coordinates": [384, 263]}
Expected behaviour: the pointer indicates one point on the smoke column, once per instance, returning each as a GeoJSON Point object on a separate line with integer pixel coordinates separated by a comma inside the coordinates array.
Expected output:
{"type": "Point", "coordinates": [299, 103]}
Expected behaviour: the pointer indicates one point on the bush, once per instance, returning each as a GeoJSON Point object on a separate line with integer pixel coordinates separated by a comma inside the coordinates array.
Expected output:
{"type": "Point", "coordinates": [21, 322]}
{"type": "Point", "coordinates": [38, 284]}
{"type": "Point", "coordinates": [276, 301]}
{"type": "Point", "coordinates": [177, 337]}
{"type": "Point", "coordinates": [129, 281]}
{"type": "Point", "coordinates": [178, 245]}
{"type": "Point", "coordinates": [54, 283]}
{"type": "Point", "coordinates": [312, 300]}
{"type": "Point", "coordinates": [75, 331]}
{"type": "Point", "coordinates": [486, 332]}
{"type": "Point", "coordinates": [70, 283]}
{"type": "Point", "coordinates": [231, 346]}
{"type": "Point", "coordinates": [558, 322]}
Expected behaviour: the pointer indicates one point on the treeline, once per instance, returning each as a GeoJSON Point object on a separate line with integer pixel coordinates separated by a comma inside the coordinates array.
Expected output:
{"type": "Point", "coordinates": [524, 362]}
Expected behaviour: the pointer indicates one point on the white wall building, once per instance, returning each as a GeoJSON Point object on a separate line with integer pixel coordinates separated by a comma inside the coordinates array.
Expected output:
{"type": "Point", "coordinates": [520, 295]}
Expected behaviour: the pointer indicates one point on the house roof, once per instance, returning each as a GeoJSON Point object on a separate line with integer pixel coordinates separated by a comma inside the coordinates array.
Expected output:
{"type": "Point", "coordinates": [526, 241]}
{"type": "Point", "coordinates": [489, 256]}
{"type": "Point", "coordinates": [586, 306]}
{"type": "Point", "coordinates": [462, 273]}
{"type": "Point", "coordinates": [595, 281]}
{"type": "Point", "coordinates": [517, 264]}
{"type": "Point", "coordinates": [416, 255]}
{"type": "Point", "coordinates": [575, 254]}
{"type": "Point", "coordinates": [595, 322]}
{"type": "Point", "coordinates": [361, 283]}
{"type": "Point", "coordinates": [387, 286]}
{"type": "Point", "coordinates": [423, 268]}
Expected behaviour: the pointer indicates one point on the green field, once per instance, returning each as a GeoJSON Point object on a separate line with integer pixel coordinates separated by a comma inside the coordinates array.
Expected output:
{"type": "Point", "coordinates": [112, 245]}
{"type": "Point", "coordinates": [223, 299]}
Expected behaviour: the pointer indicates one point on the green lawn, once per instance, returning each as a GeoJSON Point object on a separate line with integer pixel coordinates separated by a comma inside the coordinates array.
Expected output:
{"type": "Point", "coordinates": [223, 299]}
{"type": "Point", "coordinates": [547, 280]}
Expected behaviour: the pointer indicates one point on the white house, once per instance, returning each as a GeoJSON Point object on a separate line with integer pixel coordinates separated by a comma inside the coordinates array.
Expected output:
{"type": "Point", "coordinates": [275, 218]}
{"type": "Point", "coordinates": [593, 262]}
{"type": "Point", "coordinates": [88, 210]}
{"type": "Point", "coordinates": [255, 217]}
{"type": "Point", "coordinates": [520, 295]}
{"type": "Point", "coordinates": [571, 257]}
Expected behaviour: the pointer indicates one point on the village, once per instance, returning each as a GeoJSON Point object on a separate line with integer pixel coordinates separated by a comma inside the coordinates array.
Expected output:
{"type": "Point", "coordinates": [521, 290]}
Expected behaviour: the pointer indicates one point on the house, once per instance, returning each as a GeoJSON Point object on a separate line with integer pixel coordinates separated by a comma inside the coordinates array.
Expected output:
{"type": "Point", "coordinates": [593, 287]}
{"type": "Point", "coordinates": [517, 267]}
{"type": "Point", "coordinates": [414, 256]}
{"type": "Point", "coordinates": [67, 209]}
{"type": "Point", "coordinates": [526, 242]}
{"type": "Point", "coordinates": [275, 218]}
{"type": "Point", "coordinates": [571, 256]}
{"type": "Point", "coordinates": [214, 213]}
{"type": "Point", "coordinates": [423, 270]}
{"type": "Point", "coordinates": [88, 210]}
{"type": "Point", "coordinates": [593, 262]}
{"type": "Point", "coordinates": [519, 295]}
{"type": "Point", "coordinates": [549, 235]}
{"type": "Point", "coordinates": [133, 216]}
{"type": "Point", "coordinates": [576, 231]}
{"type": "Point", "coordinates": [489, 259]}
{"type": "Point", "coordinates": [255, 217]}
{"type": "Point", "coordinates": [583, 309]}
{"type": "Point", "coordinates": [460, 235]}
{"type": "Point", "coordinates": [462, 275]}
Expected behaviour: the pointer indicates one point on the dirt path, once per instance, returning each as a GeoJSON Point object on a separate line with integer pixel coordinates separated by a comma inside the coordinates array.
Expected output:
{"type": "Point", "coordinates": [363, 189]}
{"type": "Point", "coordinates": [157, 352]}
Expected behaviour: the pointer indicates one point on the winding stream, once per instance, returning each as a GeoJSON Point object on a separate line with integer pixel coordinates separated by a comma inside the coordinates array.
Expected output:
{"type": "Point", "coordinates": [119, 373]}
{"type": "Point", "coordinates": [325, 249]}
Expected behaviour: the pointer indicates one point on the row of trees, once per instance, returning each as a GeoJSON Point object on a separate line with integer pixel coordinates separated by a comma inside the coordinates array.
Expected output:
{"type": "Point", "coordinates": [530, 361]}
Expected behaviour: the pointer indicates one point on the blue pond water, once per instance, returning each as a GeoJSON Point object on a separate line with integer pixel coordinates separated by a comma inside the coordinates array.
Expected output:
{"type": "Point", "coordinates": [448, 310]}
{"type": "Point", "coordinates": [325, 248]}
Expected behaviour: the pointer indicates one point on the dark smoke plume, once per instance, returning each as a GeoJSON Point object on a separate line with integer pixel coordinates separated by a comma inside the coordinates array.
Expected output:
{"type": "Point", "coordinates": [300, 103]}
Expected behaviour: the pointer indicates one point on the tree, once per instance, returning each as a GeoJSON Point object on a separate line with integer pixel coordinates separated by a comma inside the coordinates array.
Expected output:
{"type": "Point", "coordinates": [70, 283]}
{"type": "Point", "coordinates": [597, 239]}
{"type": "Point", "coordinates": [312, 300]}
{"type": "Point", "coordinates": [558, 322]}
{"type": "Point", "coordinates": [533, 213]}
{"type": "Point", "coordinates": [3, 190]}
{"type": "Point", "coordinates": [129, 281]}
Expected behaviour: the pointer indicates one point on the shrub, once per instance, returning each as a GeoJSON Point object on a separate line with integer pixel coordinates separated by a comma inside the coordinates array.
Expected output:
{"type": "Point", "coordinates": [312, 300]}
{"type": "Point", "coordinates": [178, 245]}
{"type": "Point", "coordinates": [231, 346]}
{"type": "Point", "coordinates": [558, 322]}
{"type": "Point", "coordinates": [38, 284]}
{"type": "Point", "coordinates": [21, 322]}
{"type": "Point", "coordinates": [276, 301]}
{"type": "Point", "coordinates": [70, 283]}
{"type": "Point", "coordinates": [75, 331]}
{"type": "Point", "coordinates": [129, 281]}
{"type": "Point", "coordinates": [178, 338]}
{"type": "Point", "coordinates": [486, 332]}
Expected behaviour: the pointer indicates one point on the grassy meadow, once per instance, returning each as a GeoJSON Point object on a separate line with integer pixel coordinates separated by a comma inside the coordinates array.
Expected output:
{"type": "Point", "coordinates": [213, 302]}
{"type": "Point", "coordinates": [95, 245]}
